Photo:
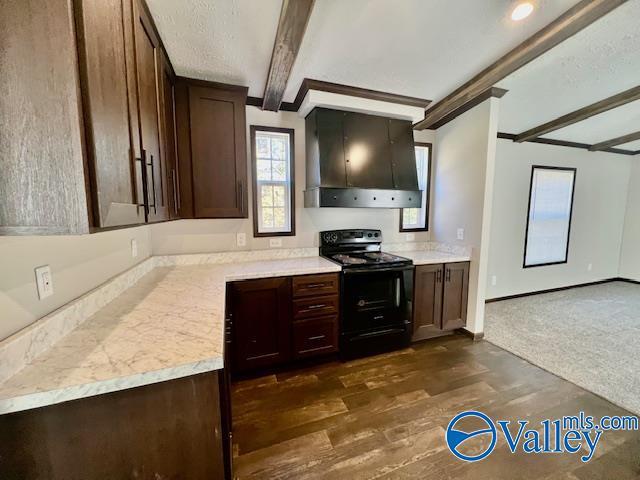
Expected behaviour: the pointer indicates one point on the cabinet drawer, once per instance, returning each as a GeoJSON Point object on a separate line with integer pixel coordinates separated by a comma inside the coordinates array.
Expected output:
{"type": "Point", "coordinates": [306, 285]}
{"type": "Point", "coordinates": [315, 306]}
{"type": "Point", "coordinates": [315, 337]}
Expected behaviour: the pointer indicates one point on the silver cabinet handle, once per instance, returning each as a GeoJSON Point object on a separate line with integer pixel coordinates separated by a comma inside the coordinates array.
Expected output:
{"type": "Point", "coordinates": [317, 337]}
{"type": "Point", "coordinates": [313, 307]}
{"type": "Point", "coordinates": [398, 292]}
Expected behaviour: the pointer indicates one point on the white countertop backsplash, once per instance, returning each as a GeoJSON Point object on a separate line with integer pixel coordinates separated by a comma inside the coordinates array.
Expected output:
{"type": "Point", "coordinates": [160, 320]}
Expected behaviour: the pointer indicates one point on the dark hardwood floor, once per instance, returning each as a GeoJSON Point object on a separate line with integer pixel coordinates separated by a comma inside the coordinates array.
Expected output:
{"type": "Point", "coordinates": [385, 417]}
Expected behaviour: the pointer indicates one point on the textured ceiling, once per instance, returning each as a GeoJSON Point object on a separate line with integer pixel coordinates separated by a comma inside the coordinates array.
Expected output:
{"type": "Point", "coordinates": [607, 125]}
{"type": "Point", "coordinates": [422, 48]}
{"type": "Point", "coordinates": [226, 41]}
{"type": "Point", "coordinates": [599, 61]}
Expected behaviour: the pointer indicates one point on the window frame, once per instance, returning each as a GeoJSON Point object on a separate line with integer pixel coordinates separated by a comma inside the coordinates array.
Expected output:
{"type": "Point", "coordinates": [254, 168]}
{"type": "Point", "coordinates": [429, 147]}
{"type": "Point", "coordinates": [526, 233]}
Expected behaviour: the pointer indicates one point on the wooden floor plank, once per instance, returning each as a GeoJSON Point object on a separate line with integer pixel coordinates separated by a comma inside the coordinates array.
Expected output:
{"type": "Point", "coordinates": [384, 417]}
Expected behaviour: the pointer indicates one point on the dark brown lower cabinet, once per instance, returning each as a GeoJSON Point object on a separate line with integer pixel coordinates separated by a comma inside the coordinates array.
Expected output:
{"type": "Point", "coordinates": [261, 316]}
{"type": "Point", "coordinates": [440, 299]}
{"type": "Point", "coordinates": [174, 429]}
{"type": "Point", "coordinates": [455, 295]}
{"type": "Point", "coordinates": [273, 321]}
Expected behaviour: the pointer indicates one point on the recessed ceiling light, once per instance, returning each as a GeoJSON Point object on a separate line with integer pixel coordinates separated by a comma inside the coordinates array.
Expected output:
{"type": "Point", "coordinates": [522, 11]}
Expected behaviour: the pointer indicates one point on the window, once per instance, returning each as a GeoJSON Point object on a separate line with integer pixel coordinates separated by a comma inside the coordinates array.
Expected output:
{"type": "Point", "coordinates": [549, 220]}
{"type": "Point", "coordinates": [273, 194]}
{"type": "Point", "coordinates": [417, 219]}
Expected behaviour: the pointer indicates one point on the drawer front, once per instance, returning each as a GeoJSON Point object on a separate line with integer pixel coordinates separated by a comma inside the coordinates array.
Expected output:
{"type": "Point", "coordinates": [315, 306]}
{"type": "Point", "coordinates": [315, 337]}
{"type": "Point", "coordinates": [307, 285]}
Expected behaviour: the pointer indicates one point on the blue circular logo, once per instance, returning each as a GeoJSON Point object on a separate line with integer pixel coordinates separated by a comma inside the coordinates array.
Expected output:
{"type": "Point", "coordinates": [455, 438]}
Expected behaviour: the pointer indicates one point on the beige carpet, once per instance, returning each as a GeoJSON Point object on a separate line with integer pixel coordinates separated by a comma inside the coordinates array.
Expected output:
{"type": "Point", "coordinates": [589, 336]}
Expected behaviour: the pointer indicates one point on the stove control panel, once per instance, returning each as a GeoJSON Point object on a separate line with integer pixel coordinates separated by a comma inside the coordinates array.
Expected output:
{"type": "Point", "coordinates": [341, 237]}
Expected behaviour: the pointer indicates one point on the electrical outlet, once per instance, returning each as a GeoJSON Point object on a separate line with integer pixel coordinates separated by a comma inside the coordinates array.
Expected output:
{"type": "Point", "coordinates": [134, 248]}
{"type": "Point", "coordinates": [411, 237]}
{"type": "Point", "coordinates": [494, 280]}
{"type": "Point", "coordinates": [590, 267]}
{"type": "Point", "coordinates": [241, 239]}
{"type": "Point", "coordinates": [44, 281]}
{"type": "Point", "coordinates": [461, 234]}
{"type": "Point", "coordinates": [275, 242]}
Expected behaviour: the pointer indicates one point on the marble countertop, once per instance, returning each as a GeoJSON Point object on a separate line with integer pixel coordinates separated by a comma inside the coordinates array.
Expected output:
{"type": "Point", "coordinates": [168, 324]}
{"type": "Point", "coordinates": [429, 257]}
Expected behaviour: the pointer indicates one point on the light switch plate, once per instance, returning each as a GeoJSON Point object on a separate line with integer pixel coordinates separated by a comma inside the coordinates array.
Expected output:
{"type": "Point", "coordinates": [134, 248]}
{"type": "Point", "coordinates": [241, 239]}
{"type": "Point", "coordinates": [44, 281]}
{"type": "Point", "coordinates": [461, 234]}
{"type": "Point", "coordinates": [275, 242]}
{"type": "Point", "coordinates": [494, 280]}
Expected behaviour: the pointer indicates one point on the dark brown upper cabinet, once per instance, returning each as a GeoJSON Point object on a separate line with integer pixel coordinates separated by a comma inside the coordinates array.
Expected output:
{"type": "Point", "coordinates": [149, 75]}
{"type": "Point", "coordinates": [98, 137]}
{"type": "Point", "coordinates": [116, 181]}
{"type": "Point", "coordinates": [169, 138]}
{"type": "Point", "coordinates": [212, 149]}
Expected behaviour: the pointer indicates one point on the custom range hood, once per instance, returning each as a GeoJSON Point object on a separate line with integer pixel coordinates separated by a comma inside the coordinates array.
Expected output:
{"type": "Point", "coordinates": [360, 160]}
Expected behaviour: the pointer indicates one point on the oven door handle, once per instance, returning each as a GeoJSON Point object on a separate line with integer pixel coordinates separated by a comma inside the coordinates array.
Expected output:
{"type": "Point", "coordinates": [349, 271]}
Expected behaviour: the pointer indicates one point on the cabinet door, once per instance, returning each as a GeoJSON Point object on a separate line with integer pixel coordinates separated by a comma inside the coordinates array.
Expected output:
{"type": "Point", "coordinates": [148, 58]}
{"type": "Point", "coordinates": [261, 318]}
{"type": "Point", "coordinates": [218, 152]}
{"type": "Point", "coordinates": [456, 289]}
{"type": "Point", "coordinates": [169, 139]}
{"type": "Point", "coordinates": [366, 142]}
{"type": "Point", "coordinates": [116, 183]}
{"type": "Point", "coordinates": [427, 306]}
{"type": "Point", "coordinates": [403, 154]}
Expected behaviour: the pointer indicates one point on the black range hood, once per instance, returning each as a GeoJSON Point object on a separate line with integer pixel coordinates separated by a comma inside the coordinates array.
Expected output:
{"type": "Point", "coordinates": [360, 160]}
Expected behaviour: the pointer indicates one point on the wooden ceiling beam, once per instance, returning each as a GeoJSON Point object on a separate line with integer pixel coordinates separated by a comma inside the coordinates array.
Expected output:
{"type": "Point", "coordinates": [294, 18]}
{"type": "Point", "coordinates": [631, 137]}
{"type": "Point", "coordinates": [581, 15]}
{"type": "Point", "coordinates": [581, 114]}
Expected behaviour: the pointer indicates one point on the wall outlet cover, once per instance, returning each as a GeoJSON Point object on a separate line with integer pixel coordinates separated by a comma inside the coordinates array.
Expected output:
{"type": "Point", "coordinates": [275, 242]}
{"type": "Point", "coordinates": [411, 237]}
{"type": "Point", "coordinates": [494, 280]}
{"type": "Point", "coordinates": [134, 248]}
{"type": "Point", "coordinates": [590, 267]}
{"type": "Point", "coordinates": [461, 234]}
{"type": "Point", "coordinates": [44, 281]}
{"type": "Point", "coordinates": [241, 239]}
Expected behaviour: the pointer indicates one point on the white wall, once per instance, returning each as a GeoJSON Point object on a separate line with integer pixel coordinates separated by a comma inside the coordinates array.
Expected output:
{"type": "Point", "coordinates": [630, 251]}
{"type": "Point", "coordinates": [463, 173]}
{"type": "Point", "coordinates": [597, 224]}
{"type": "Point", "coordinates": [78, 264]}
{"type": "Point", "coordinates": [199, 236]}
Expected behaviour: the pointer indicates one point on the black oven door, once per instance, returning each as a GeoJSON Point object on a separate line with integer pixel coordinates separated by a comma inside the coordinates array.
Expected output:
{"type": "Point", "coordinates": [376, 300]}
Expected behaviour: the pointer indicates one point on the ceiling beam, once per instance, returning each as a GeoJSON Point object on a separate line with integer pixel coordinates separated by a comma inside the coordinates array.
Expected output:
{"type": "Point", "coordinates": [631, 137]}
{"type": "Point", "coordinates": [583, 14]}
{"type": "Point", "coordinates": [610, 103]}
{"type": "Point", "coordinates": [294, 18]}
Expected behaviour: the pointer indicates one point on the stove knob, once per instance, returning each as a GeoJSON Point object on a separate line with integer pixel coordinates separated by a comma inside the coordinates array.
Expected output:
{"type": "Point", "coordinates": [334, 237]}
{"type": "Point", "coordinates": [376, 234]}
{"type": "Point", "coordinates": [369, 235]}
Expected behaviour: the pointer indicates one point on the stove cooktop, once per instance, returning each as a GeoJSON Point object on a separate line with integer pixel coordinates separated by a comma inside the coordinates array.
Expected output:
{"type": "Point", "coordinates": [367, 258]}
